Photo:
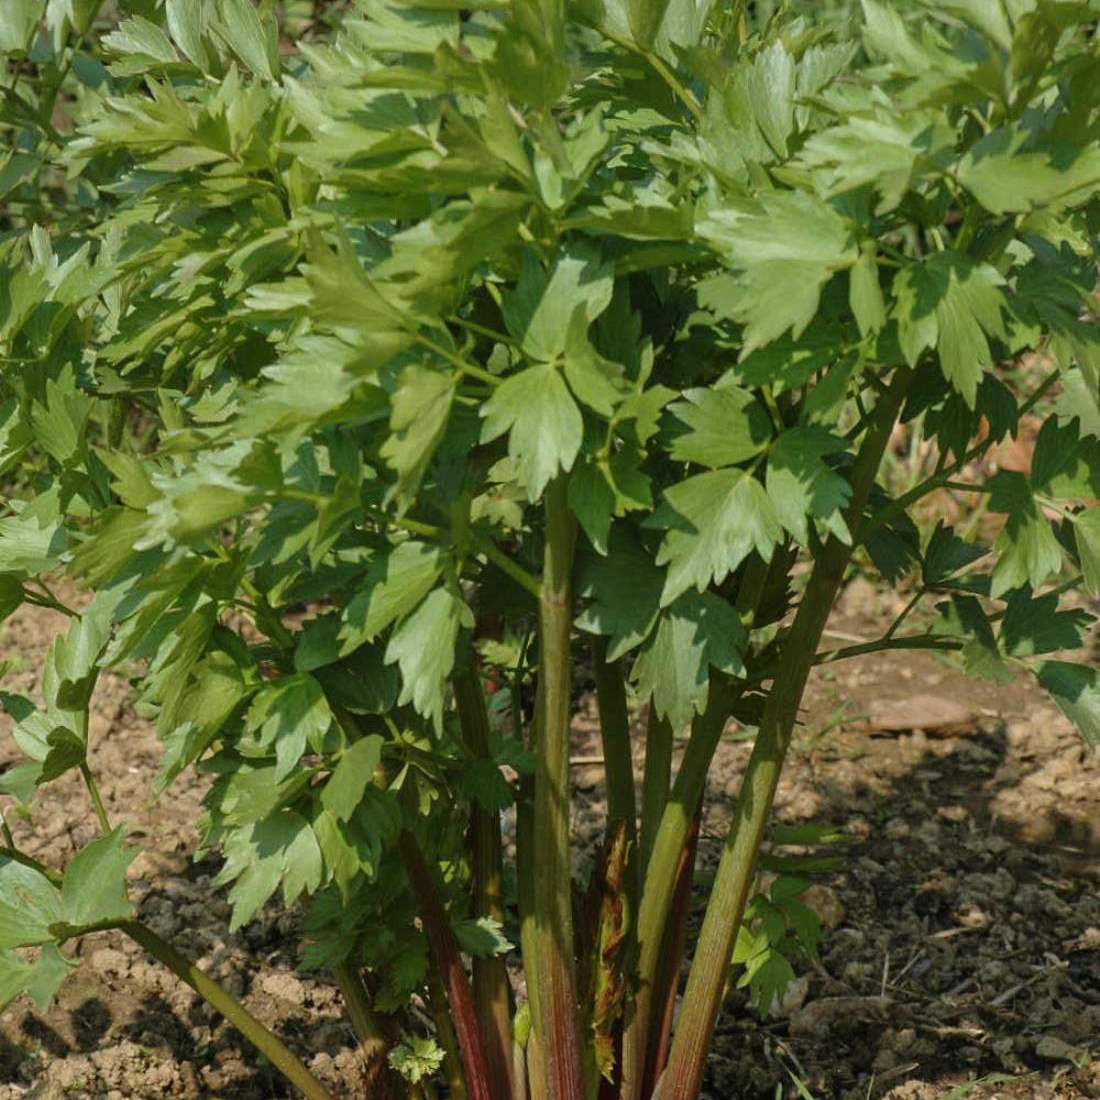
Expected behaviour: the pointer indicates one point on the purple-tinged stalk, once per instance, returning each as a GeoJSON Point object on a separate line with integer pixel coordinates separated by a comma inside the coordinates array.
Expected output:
{"type": "Point", "coordinates": [492, 993]}
{"type": "Point", "coordinates": [726, 907]}
{"type": "Point", "coordinates": [447, 963]}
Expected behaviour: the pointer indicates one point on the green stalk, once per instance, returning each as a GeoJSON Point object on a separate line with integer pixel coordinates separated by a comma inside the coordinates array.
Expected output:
{"type": "Point", "coordinates": [372, 1042]}
{"type": "Point", "coordinates": [492, 992]}
{"type": "Point", "coordinates": [660, 876]}
{"type": "Point", "coordinates": [558, 1033]}
{"type": "Point", "coordinates": [726, 907]}
{"type": "Point", "coordinates": [269, 1045]}
{"type": "Point", "coordinates": [667, 978]}
{"type": "Point", "coordinates": [657, 779]}
{"type": "Point", "coordinates": [447, 964]}
{"type": "Point", "coordinates": [97, 802]}
{"type": "Point", "coordinates": [615, 734]}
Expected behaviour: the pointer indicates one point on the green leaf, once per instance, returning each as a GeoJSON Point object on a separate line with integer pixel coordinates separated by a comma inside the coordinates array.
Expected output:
{"type": "Point", "coordinates": [950, 303]}
{"type": "Point", "coordinates": [1086, 530]}
{"type": "Point", "coordinates": [395, 584]}
{"type": "Point", "coordinates": [11, 596]}
{"type": "Point", "coordinates": [801, 487]}
{"type": "Point", "coordinates": [544, 425]}
{"type": "Point", "coordinates": [424, 649]}
{"type": "Point", "coordinates": [14, 975]}
{"type": "Point", "coordinates": [416, 1058]}
{"type": "Point", "coordinates": [1076, 690]}
{"type": "Point", "coordinates": [343, 792]}
{"type": "Point", "coordinates": [290, 714]}
{"type": "Point", "coordinates": [715, 521]}
{"type": "Point", "coordinates": [481, 937]}
{"type": "Point", "coordinates": [94, 887]}
{"type": "Point", "coordinates": [258, 858]}
{"type": "Point", "coordinates": [767, 974]}
{"type": "Point", "coordinates": [1009, 172]}
{"type": "Point", "coordinates": [697, 631]}
{"type": "Point", "coordinates": [29, 904]}
{"type": "Point", "coordinates": [1056, 453]}
{"type": "Point", "coordinates": [46, 976]}
{"type": "Point", "coordinates": [253, 40]}
{"type": "Point", "coordinates": [886, 149]}
{"type": "Point", "coordinates": [645, 18]}
{"type": "Point", "coordinates": [946, 554]}
{"type": "Point", "coordinates": [726, 425]}
{"type": "Point", "coordinates": [187, 25]}
{"type": "Point", "coordinates": [545, 308]}
{"type": "Point", "coordinates": [18, 22]}
{"type": "Point", "coordinates": [1034, 625]}
{"type": "Point", "coordinates": [33, 539]}
{"type": "Point", "coordinates": [482, 782]}
{"type": "Point", "coordinates": [865, 294]}
{"type": "Point", "coordinates": [421, 407]}
{"type": "Point", "coordinates": [592, 500]}
{"type": "Point", "coordinates": [137, 36]}
{"type": "Point", "coordinates": [623, 589]}
{"type": "Point", "coordinates": [785, 248]}
{"type": "Point", "coordinates": [1027, 549]}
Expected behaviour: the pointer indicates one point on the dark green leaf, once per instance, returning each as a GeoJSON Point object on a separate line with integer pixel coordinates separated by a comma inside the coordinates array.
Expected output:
{"type": "Point", "coordinates": [1076, 690]}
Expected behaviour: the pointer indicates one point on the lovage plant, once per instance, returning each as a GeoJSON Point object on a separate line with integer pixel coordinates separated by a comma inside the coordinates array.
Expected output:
{"type": "Point", "coordinates": [372, 386]}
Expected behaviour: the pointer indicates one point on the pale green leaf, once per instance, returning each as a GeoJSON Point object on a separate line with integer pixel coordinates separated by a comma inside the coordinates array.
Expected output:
{"type": "Point", "coordinates": [726, 425]}
{"type": "Point", "coordinates": [343, 792]}
{"type": "Point", "coordinates": [803, 488]}
{"type": "Point", "coordinates": [544, 425]}
{"type": "Point", "coordinates": [697, 631]}
{"type": "Point", "coordinates": [1027, 550]}
{"type": "Point", "coordinates": [716, 520]}
{"type": "Point", "coordinates": [253, 40]}
{"type": "Point", "coordinates": [423, 647]}
{"type": "Point", "coordinates": [421, 406]}
{"type": "Point", "coordinates": [94, 887]}
{"type": "Point", "coordinates": [29, 904]}
{"type": "Point", "coordinates": [395, 584]}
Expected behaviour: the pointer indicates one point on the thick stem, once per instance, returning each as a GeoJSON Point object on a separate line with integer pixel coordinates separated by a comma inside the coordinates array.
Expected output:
{"type": "Point", "coordinates": [667, 978]}
{"type": "Point", "coordinates": [492, 993]}
{"type": "Point", "coordinates": [269, 1045]}
{"type": "Point", "coordinates": [660, 877]}
{"type": "Point", "coordinates": [447, 964]}
{"type": "Point", "coordinates": [615, 733]}
{"type": "Point", "coordinates": [558, 1031]}
{"type": "Point", "coordinates": [657, 779]}
{"type": "Point", "coordinates": [726, 907]}
{"type": "Point", "coordinates": [445, 1036]}
{"type": "Point", "coordinates": [368, 1029]}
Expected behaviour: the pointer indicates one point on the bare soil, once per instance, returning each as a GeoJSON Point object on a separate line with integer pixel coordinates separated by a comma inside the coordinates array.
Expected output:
{"type": "Point", "coordinates": [962, 956]}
